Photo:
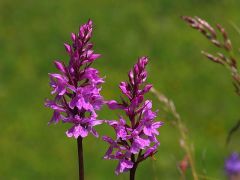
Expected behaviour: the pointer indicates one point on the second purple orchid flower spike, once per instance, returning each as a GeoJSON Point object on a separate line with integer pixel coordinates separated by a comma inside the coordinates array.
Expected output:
{"type": "Point", "coordinates": [135, 135]}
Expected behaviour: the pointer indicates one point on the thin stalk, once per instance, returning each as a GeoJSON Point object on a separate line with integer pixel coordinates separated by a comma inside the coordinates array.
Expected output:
{"type": "Point", "coordinates": [206, 177]}
{"type": "Point", "coordinates": [187, 149]}
{"type": "Point", "coordinates": [133, 172]}
{"type": "Point", "coordinates": [235, 27]}
{"type": "Point", "coordinates": [182, 129]}
{"type": "Point", "coordinates": [80, 158]}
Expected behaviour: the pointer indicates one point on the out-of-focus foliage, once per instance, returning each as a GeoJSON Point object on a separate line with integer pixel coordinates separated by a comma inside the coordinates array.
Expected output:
{"type": "Point", "coordinates": [31, 37]}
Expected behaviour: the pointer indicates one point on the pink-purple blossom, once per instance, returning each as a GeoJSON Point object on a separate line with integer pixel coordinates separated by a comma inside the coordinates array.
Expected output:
{"type": "Point", "coordinates": [136, 129]}
{"type": "Point", "coordinates": [77, 86]}
{"type": "Point", "coordinates": [232, 165]}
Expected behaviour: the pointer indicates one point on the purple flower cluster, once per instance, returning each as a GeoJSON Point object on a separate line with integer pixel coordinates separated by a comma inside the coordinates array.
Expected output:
{"type": "Point", "coordinates": [232, 165]}
{"type": "Point", "coordinates": [76, 87]}
{"type": "Point", "coordinates": [135, 141]}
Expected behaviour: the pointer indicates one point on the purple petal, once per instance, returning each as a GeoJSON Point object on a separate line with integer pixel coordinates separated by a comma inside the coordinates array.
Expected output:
{"type": "Point", "coordinates": [147, 130]}
{"type": "Point", "coordinates": [68, 48]}
{"type": "Point", "coordinates": [92, 75]}
{"type": "Point", "coordinates": [108, 153]}
{"type": "Point", "coordinates": [76, 131]}
{"type": "Point", "coordinates": [94, 132]}
{"type": "Point", "coordinates": [54, 106]}
{"type": "Point", "coordinates": [73, 36]}
{"type": "Point", "coordinates": [123, 166]}
{"type": "Point", "coordinates": [96, 122]}
{"type": "Point", "coordinates": [125, 89]}
{"type": "Point", "coordinates": [108, 139]}
{"type": "Point", "coordinates": [73, 102]}
{"type": "Point", "coordinates": [146, 89]}
{"type": "Point", "coordinates": [55, 118]}
{"type": "Point", "coordinates": [151, 150]}
{"type": "Point", "coordinates": [232, 164]}
{"type": "Point", "coordinates": [139, 143]}
{"type": "Point", "coordinates": [114, 105]}
{"type": "Point", "coordinates": [60, 66]}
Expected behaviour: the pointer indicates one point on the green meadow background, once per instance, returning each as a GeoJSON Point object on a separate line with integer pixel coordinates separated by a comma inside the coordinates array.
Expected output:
{"type": "Point", "coordinates": [32, 34]}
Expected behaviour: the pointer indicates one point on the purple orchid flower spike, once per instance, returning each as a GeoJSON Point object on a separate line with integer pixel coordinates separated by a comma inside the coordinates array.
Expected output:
{"type": "Point", "coordinates": [232, 166]}
{"type": "Point", "coordinates": [77, 89]}
{"type": "Point", "coordinates": [136, 138]}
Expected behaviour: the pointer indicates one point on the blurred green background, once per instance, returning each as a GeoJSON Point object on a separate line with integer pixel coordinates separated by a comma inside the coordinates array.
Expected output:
{"type": "Point", "coordinates": [32, 34]}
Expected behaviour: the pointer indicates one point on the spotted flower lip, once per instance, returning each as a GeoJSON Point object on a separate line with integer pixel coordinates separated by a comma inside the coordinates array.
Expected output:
{"type": "Point", "coordinates": [232, 164]}
{"type": "Point", "coordinates": [77, 86]}
{"type": "Point", "coordinates": [135, 131]}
